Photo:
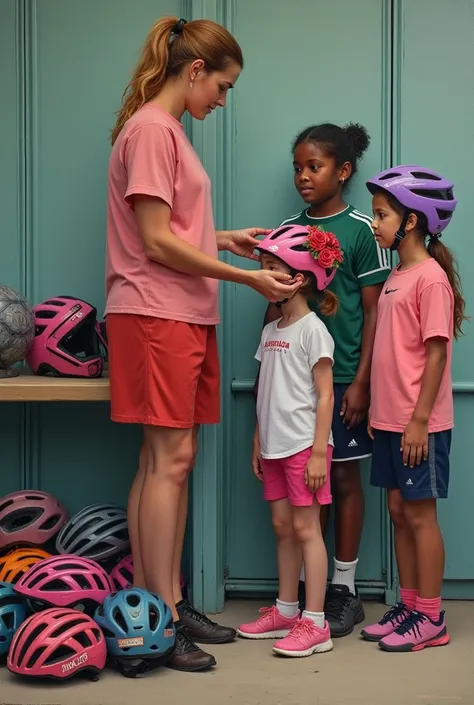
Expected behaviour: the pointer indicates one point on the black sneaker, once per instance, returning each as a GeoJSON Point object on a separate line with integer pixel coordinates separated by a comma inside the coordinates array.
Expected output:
{"type": "Point", "coordinates": [343, 610]}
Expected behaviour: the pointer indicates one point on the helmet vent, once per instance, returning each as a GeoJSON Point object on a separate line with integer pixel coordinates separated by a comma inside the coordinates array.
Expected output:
{"type": "Point", "coordinates": [45, 314]}
{"type": "Point", "coordinates": [133, 600]}
{"type": "Point", "coordinates": [391, 175]}
{"type": "Point", "coordinates": [444, 195]}
{"type": "Point", "coordinates": [119, 618]}
{"type": "Point", "coordinates": [426, 176]}
{"type": "Point", "coordinates": [66, 625]}
{"type": "Point", "coordinates": [153, 617]}
{"type": "Point", "coordinates": [35, 656]}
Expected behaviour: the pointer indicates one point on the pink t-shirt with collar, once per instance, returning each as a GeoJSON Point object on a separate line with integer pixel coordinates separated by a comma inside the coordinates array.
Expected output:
{"type": "Point", "coordinates": [152, 156]}
{"type": "Point", "coordinates": [415, 304]}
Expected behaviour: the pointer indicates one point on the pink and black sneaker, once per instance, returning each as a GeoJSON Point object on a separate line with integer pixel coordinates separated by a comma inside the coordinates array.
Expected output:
{"type": "Point", "coordinates": [417, 632]}
{"type": "Point", "coordinates": [392, 619]}
{"type": "Point", "coordinates": [271, 625]}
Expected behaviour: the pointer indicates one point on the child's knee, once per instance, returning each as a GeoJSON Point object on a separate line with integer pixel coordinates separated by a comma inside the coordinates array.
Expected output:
{"type": "Point", "coordinates": [396, 509]}
{"type": "Point", "coordinates": [282, 526]}
{"type": "Point", "coordinates": [345, 479]}
{"type": "Point", "coordinates": [304, 525]}
{"type": "Point", "coordinates": [420, 514]}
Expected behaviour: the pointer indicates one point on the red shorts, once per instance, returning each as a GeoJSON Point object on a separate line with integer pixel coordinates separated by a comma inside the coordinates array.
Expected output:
{"type": "Point", "coordinates": [284, 478]}
{"type": "Point", "coordinates": [162, 372]}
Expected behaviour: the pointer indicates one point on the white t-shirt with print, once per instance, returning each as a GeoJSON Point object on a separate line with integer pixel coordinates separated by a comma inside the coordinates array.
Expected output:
{"type": "Point", "coordinates": [286, 400]}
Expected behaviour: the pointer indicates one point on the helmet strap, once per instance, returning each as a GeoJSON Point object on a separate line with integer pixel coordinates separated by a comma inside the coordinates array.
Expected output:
{"type": "Point", "coordinates": [400, 234]}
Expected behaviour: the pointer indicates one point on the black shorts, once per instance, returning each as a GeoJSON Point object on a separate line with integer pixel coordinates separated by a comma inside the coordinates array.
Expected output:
{"type": "Point", "coordinates": [349, 444]}
{"type": "Point", "coordinates": [428, 480]}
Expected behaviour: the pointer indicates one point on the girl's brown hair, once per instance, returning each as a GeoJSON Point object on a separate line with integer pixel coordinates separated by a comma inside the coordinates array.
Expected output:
{"type": "Point", "coordinates": [165, 53]}
{"type": "Point", "coordinates": [444, 257]}
{"type": "Point", "coordinates": [327, 302]}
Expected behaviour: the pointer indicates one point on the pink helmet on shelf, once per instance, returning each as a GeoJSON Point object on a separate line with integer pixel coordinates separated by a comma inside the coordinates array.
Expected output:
{"type": "Point", "coordinates": [65, 581]}
{"type": "Point", "coordinates": [57, 643]}
{"type": "Point", "coordinates": [305, 248]}
{"type": "Point", "coordinates": [66, 343]}
{"type": "Point", "coordinates": [122, 574]}
{"type": "Point", "coordinates": [30, 518]}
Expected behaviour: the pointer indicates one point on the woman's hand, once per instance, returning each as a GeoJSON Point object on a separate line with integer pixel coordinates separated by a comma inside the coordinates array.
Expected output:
{"type": "Point", "coordinates": [316, 472]}
{"type": "Point", "coordinates": [241, 242]}
{"type": "Point", "coordinates": [256, 457]}
{"type": "Point", "coordinates": [271, 284]}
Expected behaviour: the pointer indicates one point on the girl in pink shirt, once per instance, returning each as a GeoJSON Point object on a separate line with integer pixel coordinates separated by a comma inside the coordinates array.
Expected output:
{"type": "Point", "coordinates": [162, 273]}
{"type": "Point", "coordinates": [420, 310]}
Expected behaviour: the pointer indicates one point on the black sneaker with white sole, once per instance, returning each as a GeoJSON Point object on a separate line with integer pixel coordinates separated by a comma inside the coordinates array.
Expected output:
{"type": "Point", "coordinates": [343, 610]}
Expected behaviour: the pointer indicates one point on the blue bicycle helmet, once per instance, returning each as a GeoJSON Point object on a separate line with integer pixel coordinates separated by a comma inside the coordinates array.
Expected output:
{"type": "Point", "coordinates": [138, 629]}
{"type": "Point", "coordinates": [13, 612]}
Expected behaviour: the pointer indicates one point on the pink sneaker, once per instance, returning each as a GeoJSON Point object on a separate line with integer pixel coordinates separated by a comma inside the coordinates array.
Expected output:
{"type": "Point", "coordinates": [305, 639]}
{"type": "Point", "coordinates": [415, 633]}
{"type": "Point", "coordinates": [271, 625]}
{"type": "Point", "coordinates": [389, 622]}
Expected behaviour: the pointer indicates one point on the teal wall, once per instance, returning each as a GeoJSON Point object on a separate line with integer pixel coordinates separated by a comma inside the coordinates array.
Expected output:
{"type": "Point", "coordinates": [63, 67]}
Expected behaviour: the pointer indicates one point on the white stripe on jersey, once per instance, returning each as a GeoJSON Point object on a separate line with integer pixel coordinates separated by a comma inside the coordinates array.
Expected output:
{"type": "Point", "coordinates": [288, 220]}
{"type": "Point", "coordinates": [381, 254]}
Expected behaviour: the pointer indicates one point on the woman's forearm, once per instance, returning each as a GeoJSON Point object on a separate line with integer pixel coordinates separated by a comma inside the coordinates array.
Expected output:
{"type": "Point", "coordinates": [175, 253]}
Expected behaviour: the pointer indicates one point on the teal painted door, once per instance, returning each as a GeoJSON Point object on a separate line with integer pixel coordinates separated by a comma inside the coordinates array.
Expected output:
{"type": "Point", "coordinates": [434, 126]}
{"type": "Point", "coordinates": [304, 65]}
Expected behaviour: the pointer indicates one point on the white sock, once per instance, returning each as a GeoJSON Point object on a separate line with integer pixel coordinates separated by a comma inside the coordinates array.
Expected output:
{"type": "Point", "coordinates": [344, 574]}
{"type": "Point", "coordinates": [316, 617]}
{"type": "Point", "coordinates": [287, 609]}
{"type": "Point", "coordinates": [302, 574]}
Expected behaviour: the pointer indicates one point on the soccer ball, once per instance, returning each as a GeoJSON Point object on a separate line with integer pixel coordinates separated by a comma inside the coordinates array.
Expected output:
{"type": "Point", "coordinates": [17, 328]}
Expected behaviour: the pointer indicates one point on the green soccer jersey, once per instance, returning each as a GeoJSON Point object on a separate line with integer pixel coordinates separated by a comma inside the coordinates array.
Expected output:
{"type": "Point", "coordinates": [364, 264]}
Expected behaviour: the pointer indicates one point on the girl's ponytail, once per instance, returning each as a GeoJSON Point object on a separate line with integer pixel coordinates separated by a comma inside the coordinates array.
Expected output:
{"type": "Point", "coordinates": [329, 303]}
{"type": "Point", "coordinates": [446, 259]}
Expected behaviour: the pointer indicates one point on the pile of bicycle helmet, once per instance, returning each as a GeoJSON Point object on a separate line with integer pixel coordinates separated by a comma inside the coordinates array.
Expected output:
{"type": "Point", "coordinates": [67, 601]}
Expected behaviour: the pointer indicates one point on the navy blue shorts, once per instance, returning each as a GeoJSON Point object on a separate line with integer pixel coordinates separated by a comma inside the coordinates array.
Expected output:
{"type": "Point", "coordinates": [349, 444]}
{"type": "Point", "coordinates": [428, 480]}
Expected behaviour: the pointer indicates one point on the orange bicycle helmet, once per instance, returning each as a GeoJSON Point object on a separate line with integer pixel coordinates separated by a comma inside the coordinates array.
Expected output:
{"type": "Point", "coordinates": [17, 562]}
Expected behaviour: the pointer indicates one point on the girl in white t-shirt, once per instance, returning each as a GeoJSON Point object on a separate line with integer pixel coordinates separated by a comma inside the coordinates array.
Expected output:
{"type": "Point", "coordinates": [293, 444]}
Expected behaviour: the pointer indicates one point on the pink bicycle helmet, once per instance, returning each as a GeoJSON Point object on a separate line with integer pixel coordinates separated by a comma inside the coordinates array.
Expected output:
{"type": "Point", "coordinates": [122, 574]}
{"type": "Point", "coordinates": [66, 343]}
{"type": "Point", "coordinates": [65, 581]}
{"type": "Point", "coordinates": [305, 248]}
{"type": "Point", "coordinates": [30, 518]}
{"type": "Point", "coordinates": [57, 643]}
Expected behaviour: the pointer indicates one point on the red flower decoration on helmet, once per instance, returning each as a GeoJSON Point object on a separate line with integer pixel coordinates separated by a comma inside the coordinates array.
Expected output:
{"type": "Point", "coordinates": [324, 247]}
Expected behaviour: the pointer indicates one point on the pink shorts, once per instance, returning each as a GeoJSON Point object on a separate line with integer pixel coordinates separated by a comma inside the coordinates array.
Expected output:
{"type": "Point", "coordinates": [284, 478]}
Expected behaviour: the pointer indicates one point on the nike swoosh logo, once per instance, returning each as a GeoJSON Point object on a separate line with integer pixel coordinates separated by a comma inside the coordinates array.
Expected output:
{"type": "Point", "coordinates": [390, 291]}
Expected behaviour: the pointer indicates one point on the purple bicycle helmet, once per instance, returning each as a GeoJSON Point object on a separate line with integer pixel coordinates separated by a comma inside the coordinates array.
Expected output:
{"type": "Point", "coordinates": [420, 190]}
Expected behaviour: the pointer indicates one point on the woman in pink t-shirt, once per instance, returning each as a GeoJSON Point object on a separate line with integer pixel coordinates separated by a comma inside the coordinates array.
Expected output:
{"type": "Point", "coordinates": [419, 312]}
{"type": "Point", "coordinates": [162, 273]}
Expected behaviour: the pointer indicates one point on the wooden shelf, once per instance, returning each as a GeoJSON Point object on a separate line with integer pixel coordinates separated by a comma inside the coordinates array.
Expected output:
{"type": "Point", "coordinates": [29, 387]}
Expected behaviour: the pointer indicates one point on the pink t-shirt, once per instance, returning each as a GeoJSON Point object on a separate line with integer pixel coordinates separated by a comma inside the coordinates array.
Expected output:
{"type": "Point", "coordinates": [152, 156]}
{"type": "Point", "coordinates": [415, 304]}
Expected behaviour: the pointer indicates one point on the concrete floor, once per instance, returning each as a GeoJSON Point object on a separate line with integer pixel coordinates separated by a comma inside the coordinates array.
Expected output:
{"type": "Point", "coordinates": [354, 673]}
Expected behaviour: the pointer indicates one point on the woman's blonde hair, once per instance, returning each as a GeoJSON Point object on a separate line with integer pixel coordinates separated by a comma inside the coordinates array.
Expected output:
{"type": "Point", "coordinates": [167, 49]}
